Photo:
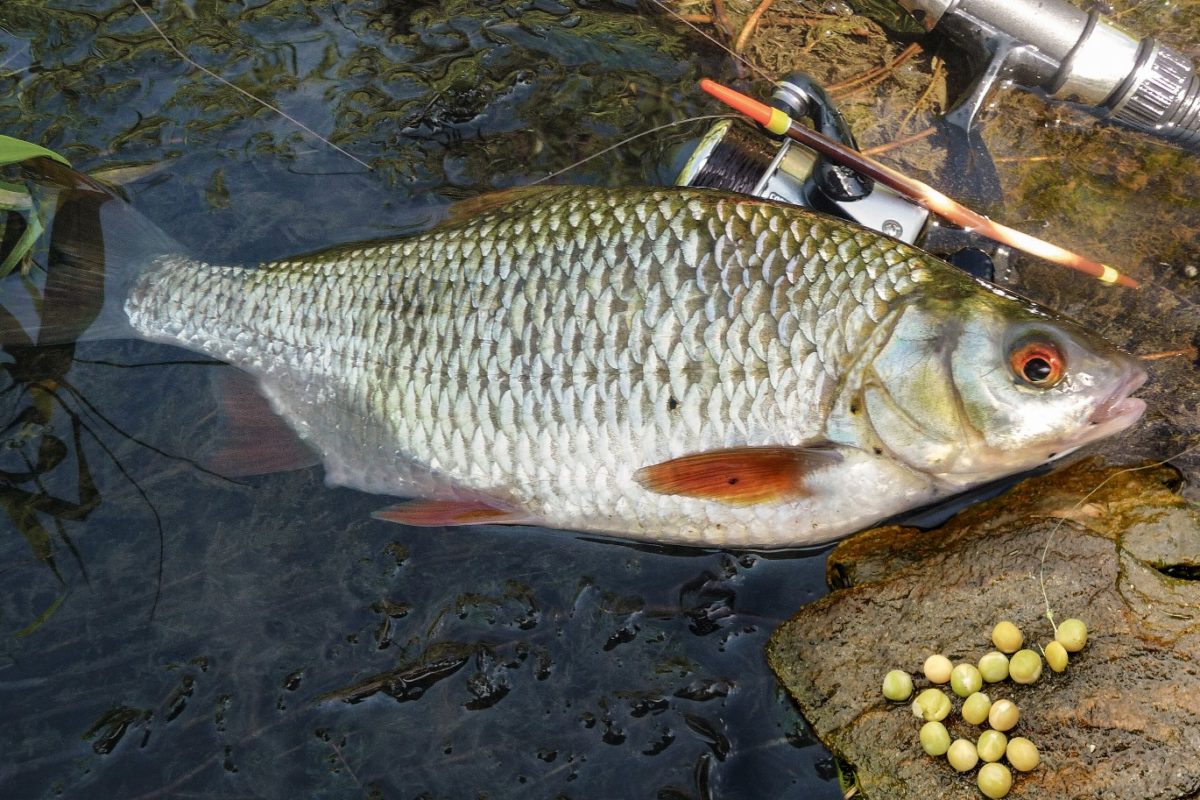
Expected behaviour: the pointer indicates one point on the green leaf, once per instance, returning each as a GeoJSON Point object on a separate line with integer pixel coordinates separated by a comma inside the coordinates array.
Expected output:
{"type": "Point", "coordinates": [33, 229]}
{"type": "Point", "coordinates": [14, 150]}
{"type": "Point", "coordinates": [11, 200]}
{"type": "Point", "coordinates": [14, 197]}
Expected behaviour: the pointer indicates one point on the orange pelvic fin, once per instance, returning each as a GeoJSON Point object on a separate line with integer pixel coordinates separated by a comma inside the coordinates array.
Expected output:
{"type": "Point", "coordinates": [450, 513]}
{"type": "Point", "coordinates": [739, 476]}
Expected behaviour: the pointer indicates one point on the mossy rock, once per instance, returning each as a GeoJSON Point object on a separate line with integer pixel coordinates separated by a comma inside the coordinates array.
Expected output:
{"type": "Point", "coordinates": [1119, 723]}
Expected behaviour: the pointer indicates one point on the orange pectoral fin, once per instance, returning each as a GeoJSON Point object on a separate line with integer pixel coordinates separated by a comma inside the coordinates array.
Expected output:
{"type": "Point", "coordinates": [449, 513]}
{"type": "Point", "coordinates": [739, 476]}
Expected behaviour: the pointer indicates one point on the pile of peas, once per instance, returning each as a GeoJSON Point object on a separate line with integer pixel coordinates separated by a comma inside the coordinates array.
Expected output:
{"type": "Point", "coordinates": [1007, 662]}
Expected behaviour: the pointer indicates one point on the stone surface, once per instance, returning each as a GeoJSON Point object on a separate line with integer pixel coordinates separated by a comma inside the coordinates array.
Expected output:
{"type": "Point", "coordinates": [1122, 553]}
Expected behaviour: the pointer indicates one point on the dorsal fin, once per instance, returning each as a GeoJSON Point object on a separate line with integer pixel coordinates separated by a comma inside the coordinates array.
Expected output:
{"type": "Point", "coordinates": [457, 213]}
{"type": "Point", "coordinates": [467, 210]}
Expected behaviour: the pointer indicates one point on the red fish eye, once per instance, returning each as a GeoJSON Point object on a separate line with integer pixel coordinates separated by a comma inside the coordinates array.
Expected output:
{"type": "Point", "coordinates": [1039, 364]}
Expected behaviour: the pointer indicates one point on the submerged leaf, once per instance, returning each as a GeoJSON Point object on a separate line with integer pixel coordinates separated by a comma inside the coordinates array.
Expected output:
{"type": "Point", "coordinates": [23, 515]}
{"type": "Point", "coordinates": [42, 617]}
{"type": "Point", "coordinates": [121, 174]}
{"type": "Point", "coordinates": [24, 246]}
{"type": "Point", "coordinates": [14, 197]}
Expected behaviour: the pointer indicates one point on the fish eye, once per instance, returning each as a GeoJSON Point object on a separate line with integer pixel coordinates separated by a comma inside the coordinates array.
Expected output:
{"type": "Point", "coordinates": [1038, 363]}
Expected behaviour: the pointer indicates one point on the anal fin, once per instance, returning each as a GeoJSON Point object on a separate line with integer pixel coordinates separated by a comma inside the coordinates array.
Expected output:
{"type": "Point", "coordinates": [256, 441]}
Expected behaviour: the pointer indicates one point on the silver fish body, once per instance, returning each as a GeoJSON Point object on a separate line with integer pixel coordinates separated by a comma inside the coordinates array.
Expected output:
{"type": "Point", "coordinates": [538, 356]}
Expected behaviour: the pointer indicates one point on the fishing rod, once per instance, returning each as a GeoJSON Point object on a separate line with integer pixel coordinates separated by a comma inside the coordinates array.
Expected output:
{"type": "Point", "coordinates": [1056, 50]}
{"type": "Point", "coordinates": [851, 183]}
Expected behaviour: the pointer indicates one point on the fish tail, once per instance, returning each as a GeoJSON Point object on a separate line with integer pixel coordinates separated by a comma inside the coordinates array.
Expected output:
{"type": "Point", "coordinates": [74, 287]}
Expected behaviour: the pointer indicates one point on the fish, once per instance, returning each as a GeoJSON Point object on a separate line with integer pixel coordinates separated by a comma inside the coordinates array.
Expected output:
{"type": "Point", "coordinates": [680, 366]}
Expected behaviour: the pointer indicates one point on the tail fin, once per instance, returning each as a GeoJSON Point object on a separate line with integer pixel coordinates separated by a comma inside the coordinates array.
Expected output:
{"type": "Point", "coordinates": [75, 288]}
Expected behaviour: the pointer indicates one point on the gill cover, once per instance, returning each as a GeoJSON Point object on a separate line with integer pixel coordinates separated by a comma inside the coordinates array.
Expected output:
{"type": "Point", "coordinates": [983, 385]}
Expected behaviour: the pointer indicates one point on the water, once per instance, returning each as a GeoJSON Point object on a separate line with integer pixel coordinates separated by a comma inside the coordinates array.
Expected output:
{"type": "Point", "coordinates": [166, 632]}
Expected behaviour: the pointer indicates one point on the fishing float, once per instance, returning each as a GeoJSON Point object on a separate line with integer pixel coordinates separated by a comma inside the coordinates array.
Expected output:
{"type": "Point", "coordinates": [780, 123]}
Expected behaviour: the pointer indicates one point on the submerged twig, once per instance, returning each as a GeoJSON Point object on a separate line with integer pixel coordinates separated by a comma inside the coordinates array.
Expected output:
{"type": "Point", "coordinates": [721, 18]}
{"type": "Point", "coordinates": [912, 112]}
{"type": "Point", "coordinates": [738, 56]}
{"type": "Point", "coordinates": [875, 74]}
{"type": "Point", "coordinates": [1189, 352]}
{"type": "Point", "coordinates": [1024, 159]}
{"type": "Point", "coordinates": [892, 145]}
{"type": "Point", "coordinates": [787, 22]}
{"type": "Point", "coordinates": [751, 24]}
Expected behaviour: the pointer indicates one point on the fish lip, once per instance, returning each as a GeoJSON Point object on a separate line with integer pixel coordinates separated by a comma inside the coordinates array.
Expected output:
{"type": "Point", "coordinates": [1118, 411]}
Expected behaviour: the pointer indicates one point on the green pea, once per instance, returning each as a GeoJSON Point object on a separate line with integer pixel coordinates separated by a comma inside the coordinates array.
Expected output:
{"type": "Point", "coordinates": [965, 680]}
{"type": "Point", "coordinates": [1022, 754]}
{"type": "Point", "coordinates": [994, 667]}
{"type": "Point", "coordinates": [935, 739]}
{"type": "Point", "coordinates": [962, 755]}
{"type": "Point", "coordinates": [931, 705]}
{"type": "Point", "coordinates": [1072, 633]}
{"type": "Point", "coordinates": [994, 780]}
{"type": "Point", "coordinates": [897, 685]}
{"type": "Point", "coordinates": [1056, 656]}
{"type": "Point", "coordinates": [1003, 715]}
{"type": "Point", "coordinates": [991, 745]}
{"type": "Point", "coordinates": [1025, 666]}
{"type": "Point", "coordinates": [1007, 637]}
{"type": "Point", "coordinates": [976, 707]}
{"type": "Point", "coordinates": [937, 669]}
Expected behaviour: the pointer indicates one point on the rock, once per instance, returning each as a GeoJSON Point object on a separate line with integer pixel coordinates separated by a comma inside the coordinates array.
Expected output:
{"type": "Point", "coordinates": [1122, 553]}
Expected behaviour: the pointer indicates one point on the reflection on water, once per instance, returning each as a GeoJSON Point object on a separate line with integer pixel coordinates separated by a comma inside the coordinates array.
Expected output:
{"type": "Point", "coordinates": [168, 632]}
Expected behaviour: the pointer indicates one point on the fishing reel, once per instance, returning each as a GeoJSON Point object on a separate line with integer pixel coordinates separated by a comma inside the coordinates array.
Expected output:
{"type": "Point", "coordinates": [736, 157]}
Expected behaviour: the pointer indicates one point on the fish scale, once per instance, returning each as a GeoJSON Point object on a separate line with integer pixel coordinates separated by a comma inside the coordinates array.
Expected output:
{"type": "Point", "coordinates": [543, 351]}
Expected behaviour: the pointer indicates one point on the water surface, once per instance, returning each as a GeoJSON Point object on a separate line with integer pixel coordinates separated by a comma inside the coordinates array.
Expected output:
{"type": "Point", "coordinates": [166, 632]}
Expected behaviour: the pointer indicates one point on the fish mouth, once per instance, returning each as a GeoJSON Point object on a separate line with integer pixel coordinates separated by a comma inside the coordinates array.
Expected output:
{"type": "Point", "coordinates": [1118, 411]}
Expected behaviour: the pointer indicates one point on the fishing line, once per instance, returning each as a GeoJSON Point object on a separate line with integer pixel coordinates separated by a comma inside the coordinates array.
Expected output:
{"type": "Point", "coordinates": [738, 56]}
{"type": "Point", "coordinates": [626, 141]}
{"type": "Point", "coordinates": [242, 91]}
{"type": "Point", "coordinates": [12, 72]}
{"type": "Point", "coordinates": [1173, 293]}
{"type": "Point", "coordinates": [1062, 520]}
{"type": "Point", "coordinates": [187, 59]}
